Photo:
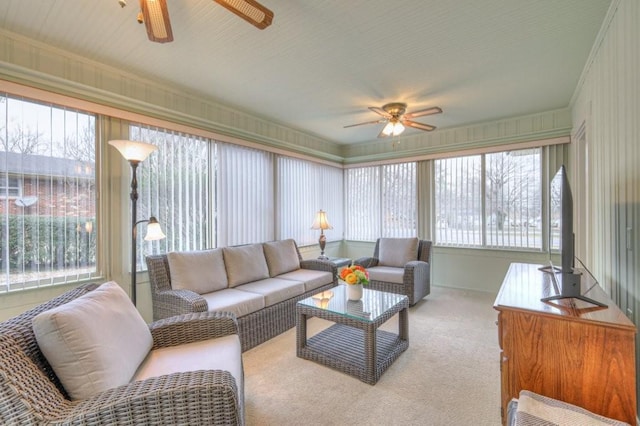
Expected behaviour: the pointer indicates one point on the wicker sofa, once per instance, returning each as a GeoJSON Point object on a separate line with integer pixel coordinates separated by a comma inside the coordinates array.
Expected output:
{"type": "Point", "coordinates": [37, 390]}
{"type": "Point", "coordinates": [260, 283]}
{"type": "Point", "coordinates": [400, 265]}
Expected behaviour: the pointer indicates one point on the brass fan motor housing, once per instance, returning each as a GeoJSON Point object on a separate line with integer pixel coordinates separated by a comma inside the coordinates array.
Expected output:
{"type": "Point", "coordinates": [396, 109]}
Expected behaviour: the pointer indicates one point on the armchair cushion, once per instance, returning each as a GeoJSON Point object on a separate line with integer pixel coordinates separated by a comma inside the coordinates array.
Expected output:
{"type": "Point", "coordinates": [95, 342]}
{"type": "Point", "coordinates": [387, 273]}
{"type": "Point", "coordinates": [245, 264]}
{"type": "Point", "coordinates": [200, 271]}
{"type": "Point", "coordinates": [281, 256]}
{"type": "Point", "coordinates": [195, 356]}
{"type": "Point", "coordinates": [397, 252]}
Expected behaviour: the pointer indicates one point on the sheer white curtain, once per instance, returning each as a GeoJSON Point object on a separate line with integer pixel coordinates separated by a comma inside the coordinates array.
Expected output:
{"type": "Point", "coordinates": [304, 187]}
{"type": "Point", "coordinates": [244, 195]}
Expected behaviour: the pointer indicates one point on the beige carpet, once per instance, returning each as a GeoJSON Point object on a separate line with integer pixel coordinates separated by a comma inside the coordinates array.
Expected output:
{"type": "Point", "coordinates": [450, 374]}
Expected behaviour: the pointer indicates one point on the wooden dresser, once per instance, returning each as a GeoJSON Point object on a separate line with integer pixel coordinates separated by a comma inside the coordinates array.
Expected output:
{"type": "Point", "coordinates": [568, 349]}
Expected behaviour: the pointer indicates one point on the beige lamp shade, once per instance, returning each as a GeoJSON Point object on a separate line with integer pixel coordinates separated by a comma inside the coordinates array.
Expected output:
{"type": "Point", "coordinates": [133, 150]}
{"type": "Point", "coordinates": [321, 221]}
{"type": "Point", "coordinates": [154, 231]}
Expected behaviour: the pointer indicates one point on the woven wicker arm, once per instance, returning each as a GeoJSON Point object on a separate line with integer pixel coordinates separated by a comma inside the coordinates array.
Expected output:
{"type": "Point", "coordinates": [366, 262]}
{"type": "Point", "coordinates": [193, 398]}
{"type": "Point", "coordinates": [319, 265]}
{"type": "Point", "coordinates": [168, 302]}
{"type": "Point", "coordinates": [416, 280]}
{"type": "Point", "coordinates": [188, 328]}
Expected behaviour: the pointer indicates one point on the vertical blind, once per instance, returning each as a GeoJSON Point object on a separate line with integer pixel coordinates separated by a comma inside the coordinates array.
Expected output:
{"type": "Point", "coordinates": [244, 182]}
{"type": "Point", "coordinates": [303, 188]}
{"type": "Point", "coordinates": [491, 200]}
{"type": "Point", "coordinates": [173, 186]}
{"type": "Point", "coordinates": [381, 202]}
{"type": "Point", "coordinates": [48, 194]}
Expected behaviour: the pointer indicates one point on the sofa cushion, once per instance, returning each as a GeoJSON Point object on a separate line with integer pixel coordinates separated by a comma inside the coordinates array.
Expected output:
{"type": "Point", "coordinates": [201, 271]}
{"type": "Point", "coordinates": [312, 279]}
{"type": "Point", "coordinates": [245, 264]}
{"type": "Point", "coordinates": [397, 251]}
{"type": "Point", "coordinates": [281, 257]}
{"type": "Point", "coordinates": [239, 302]}
{"type": "Point", "coordinates": [274, 290]}
{"type": "Point", "coordinates": [222, 353]}
{"type": "Point", "coordinates": [389, 274]}
{"type": "Point", "coordinates": [95, 342]}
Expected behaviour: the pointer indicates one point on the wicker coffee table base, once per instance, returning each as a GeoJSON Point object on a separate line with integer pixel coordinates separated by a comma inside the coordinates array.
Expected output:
{"type": "Point", "coordinates": [353, 346]}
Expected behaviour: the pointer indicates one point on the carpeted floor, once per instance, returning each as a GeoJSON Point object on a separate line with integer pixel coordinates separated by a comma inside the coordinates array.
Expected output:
{"type": "Point", "coordinates": [450, 375]}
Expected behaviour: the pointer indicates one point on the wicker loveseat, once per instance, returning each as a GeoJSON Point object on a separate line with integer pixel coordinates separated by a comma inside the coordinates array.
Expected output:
{"type": "Point", "coordinates": [32, 394]}
{"type": "Point", "coordinates": [400, 265]}
{"type": "Point", "coordinates": [260, 283]}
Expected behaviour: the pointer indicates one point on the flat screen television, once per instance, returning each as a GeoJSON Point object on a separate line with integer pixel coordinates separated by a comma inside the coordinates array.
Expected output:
{"type": "Point", "coordinates": [561, 236]}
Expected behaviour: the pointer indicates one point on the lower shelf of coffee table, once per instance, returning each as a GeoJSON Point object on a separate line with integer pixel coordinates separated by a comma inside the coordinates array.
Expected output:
{"type": "Point", "coordinates": [342, 348]}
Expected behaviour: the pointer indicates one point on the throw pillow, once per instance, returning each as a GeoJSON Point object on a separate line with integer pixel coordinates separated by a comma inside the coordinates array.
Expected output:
{"type": "Point", "coordinates": [281, 257]}
{"type": "Point", "coordinates": [397, 252]}
{"type": "Point", "coordinates": [95, 342]}
{"type": "Point", "coordinates": [201, 271]}
{"type": "Point", "coordinates": [245, 264]}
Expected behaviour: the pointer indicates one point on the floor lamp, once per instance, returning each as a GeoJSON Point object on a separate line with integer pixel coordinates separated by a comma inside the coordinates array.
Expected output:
{"type": "Point", "coordinates": [136, 152]}
{"type": "Point", "coordinates": [321, 223]}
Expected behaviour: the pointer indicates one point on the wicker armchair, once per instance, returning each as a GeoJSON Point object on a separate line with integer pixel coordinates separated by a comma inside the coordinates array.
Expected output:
{"type": "Point", "coordinates": [31, 394]}
{"type": "Point", "coordinates": [412, 280]}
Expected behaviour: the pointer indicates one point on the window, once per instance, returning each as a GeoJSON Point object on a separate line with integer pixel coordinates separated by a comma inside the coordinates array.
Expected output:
{"type": "Point", "coordinates": [10, 187]}
{"type": "Point", "coordinates": [381, 202]}
{"type": "Point", "coordinates": [490, 200]}
{"type": "Point", "coordinates": [174, 186]}
{"type": "Point", "coordinates": [48, 194]}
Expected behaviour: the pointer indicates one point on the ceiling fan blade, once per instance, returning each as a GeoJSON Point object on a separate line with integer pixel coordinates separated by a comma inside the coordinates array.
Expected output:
{"type": "Point", "coordinates": [368, 122]}
{"type": "Point", "coordinates": [380, 111]}
{"type": "Point", "coordinates": [249, 10]}
{"type": "Point", "coordinates": [156, 20]}
{"type": "Point", "coordinates": [423, 112]}
{"type": "Point", "coordinates": [417, 125]}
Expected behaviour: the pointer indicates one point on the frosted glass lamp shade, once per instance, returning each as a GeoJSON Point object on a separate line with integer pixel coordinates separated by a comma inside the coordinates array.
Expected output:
{"type": "Point", "coordinates": [154, 231]}
{"type": "Point", "coordinates": [133, 150]}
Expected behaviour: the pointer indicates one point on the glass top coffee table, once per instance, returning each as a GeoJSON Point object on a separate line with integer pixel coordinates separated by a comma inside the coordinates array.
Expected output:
{"type": "Point", "coordinates": [353, 345]}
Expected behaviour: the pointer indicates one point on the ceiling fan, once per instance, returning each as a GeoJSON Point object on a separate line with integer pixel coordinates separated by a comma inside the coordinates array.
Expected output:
{"type": "Point", "coordinates": [394, 115]}
{"type": "Point", "coordinates": [155, 16]}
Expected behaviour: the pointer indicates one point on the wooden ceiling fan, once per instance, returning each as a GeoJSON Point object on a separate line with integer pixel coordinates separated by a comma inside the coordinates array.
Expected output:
{"type": "Point", "coordinates": [396, 117]}
{"type": "Point", "coordinates": [155, 16]}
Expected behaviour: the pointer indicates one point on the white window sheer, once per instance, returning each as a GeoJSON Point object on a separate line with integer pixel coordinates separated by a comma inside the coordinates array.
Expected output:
{"type": "Point", "coordinates": [304, 188]}
{"type": "Point", "coordinates": [244, 195]}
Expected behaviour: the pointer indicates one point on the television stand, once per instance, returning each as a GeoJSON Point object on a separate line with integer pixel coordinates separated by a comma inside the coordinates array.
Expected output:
{"type": "Point", "coordinates": [579, 297]}
{"type": "Point", "coordinates": [583, 356]}
{"type": "Point", "coordinates": [569, 287]}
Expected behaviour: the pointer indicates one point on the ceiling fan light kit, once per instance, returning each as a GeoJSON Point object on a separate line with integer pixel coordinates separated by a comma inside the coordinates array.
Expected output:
{"type": "Point", "coordinates": [156, 19]}
{"type": "Point", "coordinates": [396, 119]}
